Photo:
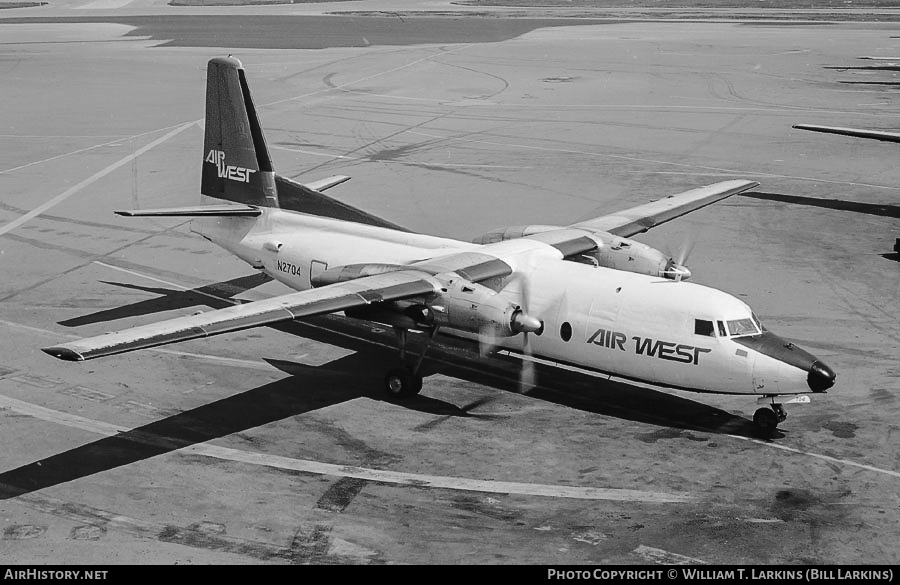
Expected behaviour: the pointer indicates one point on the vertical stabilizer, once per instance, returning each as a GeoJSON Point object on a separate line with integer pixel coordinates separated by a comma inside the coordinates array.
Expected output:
{"type": "Point", "coordinates": [236, 162]}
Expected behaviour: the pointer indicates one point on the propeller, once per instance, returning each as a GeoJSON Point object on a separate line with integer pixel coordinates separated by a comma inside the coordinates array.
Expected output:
{"type": "Point", "coordinates": [676, 269]}
{"type": "Point", "coordinates": [526, 324]}
{"type": "Point", "coordinates": [522, 322]}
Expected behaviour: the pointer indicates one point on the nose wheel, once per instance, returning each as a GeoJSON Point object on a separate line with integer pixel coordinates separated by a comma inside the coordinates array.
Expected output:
{"type": "Point", "coordinates": [769, 418]}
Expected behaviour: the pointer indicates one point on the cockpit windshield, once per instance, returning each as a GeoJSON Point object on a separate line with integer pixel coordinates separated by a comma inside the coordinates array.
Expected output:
{"type": "Point", "coordinates": [743, 327]}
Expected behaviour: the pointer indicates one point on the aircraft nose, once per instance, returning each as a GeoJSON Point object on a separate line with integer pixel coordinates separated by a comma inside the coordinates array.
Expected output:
{"type": "Point", "coordinates": [820, 377]}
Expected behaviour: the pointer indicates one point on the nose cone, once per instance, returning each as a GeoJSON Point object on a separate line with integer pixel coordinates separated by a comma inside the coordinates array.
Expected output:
{"type": "Point", "coordinates": [820, 377]}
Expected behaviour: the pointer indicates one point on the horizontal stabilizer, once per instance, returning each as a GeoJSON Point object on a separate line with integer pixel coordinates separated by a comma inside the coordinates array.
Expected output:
{"type": "Point", "coordinates": [197, 211]}
{"type": "Point", "coordinates": [328, 183]}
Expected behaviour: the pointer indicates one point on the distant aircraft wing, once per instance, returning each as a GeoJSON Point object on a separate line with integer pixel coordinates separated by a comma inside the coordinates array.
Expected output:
{"type": "Point", "coordinates": [390, 286]}
{"type": "Point", "coordinates": [871, 134]}
{"type": "Point", "coordinates": [643, 217]}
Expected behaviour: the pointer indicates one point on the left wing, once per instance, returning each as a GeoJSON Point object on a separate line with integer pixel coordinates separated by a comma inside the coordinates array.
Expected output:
{"type": "Point", "coordinates": [643, 217]}
{"type": "Point", "coordinates": [390, 286]}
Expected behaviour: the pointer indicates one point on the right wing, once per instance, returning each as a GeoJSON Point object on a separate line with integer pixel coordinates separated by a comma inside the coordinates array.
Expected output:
{"type": "Point", "coordinates": [871, 134]}
{"type": "Point", "coordinates": [639, 219]}
{"type": "Point", "coordinates": [390, 286]}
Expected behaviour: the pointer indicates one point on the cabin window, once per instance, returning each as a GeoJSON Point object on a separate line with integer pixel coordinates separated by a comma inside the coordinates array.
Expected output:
{"type": "Point", "coordinates": [702, 327]}
{"type": "Point", "coordinates": [742, 327]}
{"type": "Point", "coordinates": [722, 332]}
{"type": "Point", "coordinates": [565, 331]}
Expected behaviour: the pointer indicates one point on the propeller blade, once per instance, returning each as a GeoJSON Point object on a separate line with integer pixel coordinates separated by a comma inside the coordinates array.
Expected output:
{"type": "Point", "coordinates": [487, 341]}
{"type": "Point", "coordinates": [686, 248]}
{"type": "Point", "coordinates": [526, 374]}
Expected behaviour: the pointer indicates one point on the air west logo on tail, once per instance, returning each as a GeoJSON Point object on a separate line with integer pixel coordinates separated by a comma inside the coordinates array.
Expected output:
{"type": "Point", "coordinates": [240, 174]}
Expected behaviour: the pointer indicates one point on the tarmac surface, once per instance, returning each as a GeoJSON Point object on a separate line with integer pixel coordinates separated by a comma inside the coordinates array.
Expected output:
{"type": "Point", "coordinates": [275, 446]}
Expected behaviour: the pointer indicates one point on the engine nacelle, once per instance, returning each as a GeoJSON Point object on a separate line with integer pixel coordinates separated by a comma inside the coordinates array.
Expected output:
{"type": "Point", "coordinates": [612, 251]}
{"type": "Point", "coordinates": [467, 306]}
{"type": "Point", "coordinates": [633, 256]}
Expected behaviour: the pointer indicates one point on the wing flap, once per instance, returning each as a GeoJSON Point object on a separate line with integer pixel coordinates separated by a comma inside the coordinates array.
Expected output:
{"type": "Point", "coordinates": [329, 299]}
{"type": "Point", "coordinates": [643, 217]}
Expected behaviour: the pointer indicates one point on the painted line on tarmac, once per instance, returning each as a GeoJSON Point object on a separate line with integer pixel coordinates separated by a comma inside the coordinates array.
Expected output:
{"type": "Point", "coordinates": [377, 475]}
{"type": "Point", "coordinates": [165, 282]}
{"type": "Point", "coordinates": [818, 456]}
{"type": "Point", "coordinates": [118, 140]}
{"type": "Point", "coordinates": [92, 179]}
{"type": "Point", "coordinates": [664, 557]}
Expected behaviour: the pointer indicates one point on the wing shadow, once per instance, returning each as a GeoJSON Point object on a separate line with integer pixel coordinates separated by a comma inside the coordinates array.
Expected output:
{"type": "Point", "coordinates": [334, 383]}
{"type": "Point", "coordinates": [217, 296]}
{"type": "Point", "coordinates": [882, 209]}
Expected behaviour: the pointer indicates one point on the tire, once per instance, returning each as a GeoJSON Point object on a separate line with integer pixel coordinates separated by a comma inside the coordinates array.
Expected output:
{"type": "Point", "coordinates": [400, 383]}
{"type": "Point", "coordinates": [766, 419]}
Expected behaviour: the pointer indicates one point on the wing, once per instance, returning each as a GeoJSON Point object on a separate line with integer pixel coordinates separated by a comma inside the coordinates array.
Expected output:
{"type": "Point", "coordinates": [390, 286]}
{"type": "Point", "coordinates": [643, 217]}
{"type": "Point", "coordinates": [872, 134]}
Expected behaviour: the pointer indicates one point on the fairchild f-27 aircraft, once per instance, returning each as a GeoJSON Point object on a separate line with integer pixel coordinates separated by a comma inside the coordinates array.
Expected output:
{"type": "Point", "coordinates": [582, 294]}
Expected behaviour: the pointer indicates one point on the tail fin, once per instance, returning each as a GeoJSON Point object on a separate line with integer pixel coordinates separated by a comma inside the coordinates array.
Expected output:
{"type": "Point", "coordinates": [236, 162]}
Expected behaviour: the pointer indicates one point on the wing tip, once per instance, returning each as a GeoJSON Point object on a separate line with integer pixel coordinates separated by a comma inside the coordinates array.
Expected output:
{"type": "Point", "coordinates": [64, 353]}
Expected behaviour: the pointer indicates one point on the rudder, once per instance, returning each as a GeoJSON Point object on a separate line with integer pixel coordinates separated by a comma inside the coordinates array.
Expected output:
{"type": "Point", "coordinates": [236, 162]}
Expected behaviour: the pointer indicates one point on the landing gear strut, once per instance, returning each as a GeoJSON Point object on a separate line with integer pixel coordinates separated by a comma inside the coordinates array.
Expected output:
{"type": "Point", "coordinates": [404, 381]}
{"type": "Point", "coordinates": [769, 418]}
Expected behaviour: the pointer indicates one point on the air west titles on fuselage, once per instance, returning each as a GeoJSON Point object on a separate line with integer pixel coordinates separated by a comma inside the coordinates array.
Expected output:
{"type": "Point", "coordinates": [240, 174]}
{"type": "Point", "coordinates": [664, 350]}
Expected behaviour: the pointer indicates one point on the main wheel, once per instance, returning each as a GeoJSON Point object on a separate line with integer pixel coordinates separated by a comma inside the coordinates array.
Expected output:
{"type": "Point", "coordinates": [400, 383]}
{"type": "Point", "coordinates": [766, 419]}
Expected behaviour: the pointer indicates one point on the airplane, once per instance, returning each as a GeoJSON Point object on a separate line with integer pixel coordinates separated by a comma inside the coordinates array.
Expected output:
{"type": "Point", "coordinates": [882, 135]}
{"type": "Point", "coordinates": [584, 295]}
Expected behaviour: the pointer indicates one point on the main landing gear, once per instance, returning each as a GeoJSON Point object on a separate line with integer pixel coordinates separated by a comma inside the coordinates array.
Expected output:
{"type": "Point", "coordinates": [769, 418]}
{"type": "Point", "coordinates": [405, 381]}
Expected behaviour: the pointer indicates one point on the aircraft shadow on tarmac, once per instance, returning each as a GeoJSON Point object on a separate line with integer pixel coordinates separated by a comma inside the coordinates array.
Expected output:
{"type": "Point", "coordinates": [310, 388]}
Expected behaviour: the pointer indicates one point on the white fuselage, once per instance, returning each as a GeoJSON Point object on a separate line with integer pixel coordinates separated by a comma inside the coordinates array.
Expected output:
{"type": "Point", "coordinates": [621, 323]}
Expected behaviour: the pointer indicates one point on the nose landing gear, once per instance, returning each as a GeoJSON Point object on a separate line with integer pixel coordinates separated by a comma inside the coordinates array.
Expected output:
{"type": "Point", "coordinates": [769, 418]}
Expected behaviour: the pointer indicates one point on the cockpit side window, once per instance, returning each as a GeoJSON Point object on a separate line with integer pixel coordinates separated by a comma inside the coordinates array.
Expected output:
{"type": "Point", "coordinates": [702, 327]}
{"type": "Point", "coordinates": [722, 332]}
{"type": "Point", "coordinates": [743, 327]}
{"type": "Point", "coordinates": [757, 321]}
